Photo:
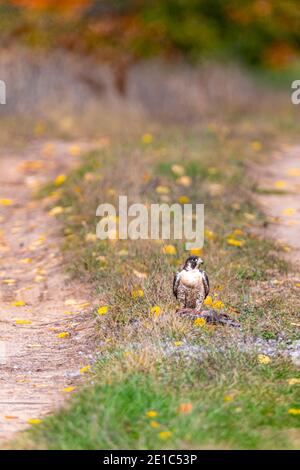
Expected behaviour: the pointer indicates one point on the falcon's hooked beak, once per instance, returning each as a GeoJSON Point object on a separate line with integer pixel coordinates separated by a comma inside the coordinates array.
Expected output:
{"type": "Point", "coordinates": [199, 262]}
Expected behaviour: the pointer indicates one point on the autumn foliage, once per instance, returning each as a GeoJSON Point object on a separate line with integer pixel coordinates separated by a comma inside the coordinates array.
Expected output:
{"type": "Point", "coordinates": [263, 32]}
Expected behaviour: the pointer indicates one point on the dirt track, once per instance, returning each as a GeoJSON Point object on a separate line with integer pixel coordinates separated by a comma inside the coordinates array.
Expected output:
{"type": "Point", "coordinates": [281, 177]}
{"type": "Point", "coordinates": [37, 367]}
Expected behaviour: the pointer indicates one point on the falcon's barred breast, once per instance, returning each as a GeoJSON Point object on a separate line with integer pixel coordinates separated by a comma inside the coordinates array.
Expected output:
{"type": "Point", "coordinates": [191, 284]}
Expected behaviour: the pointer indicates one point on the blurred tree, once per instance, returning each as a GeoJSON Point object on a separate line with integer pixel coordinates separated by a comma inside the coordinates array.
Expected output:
{"type": "Point", "coordinates": [259, 32]}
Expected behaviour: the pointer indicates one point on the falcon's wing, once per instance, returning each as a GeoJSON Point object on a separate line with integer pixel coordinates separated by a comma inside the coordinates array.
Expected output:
{"type": "Point", "coordinates": [205, 283]}
{"type": "Point", "coordinates": [176, 283]}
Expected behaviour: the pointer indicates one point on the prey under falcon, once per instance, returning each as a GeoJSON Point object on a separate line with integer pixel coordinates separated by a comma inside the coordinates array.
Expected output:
{"type": "Point", "coordinates": [191, 284]}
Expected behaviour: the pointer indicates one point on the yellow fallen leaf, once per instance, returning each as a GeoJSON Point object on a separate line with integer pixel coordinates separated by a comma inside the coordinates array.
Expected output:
{"type": "Point", "coordinates": [8, 281]}
{"type": "Point", "coordinates": [68, 389]}
{"type": "Point", "coordinates": [178, 343]}
{"type": "Point", "coordinates": [164, 435]}
{"type": "Point", "coordinates": [83, 305]}
{"type": "Point", "coordinates": [34, 421]}
{"type": "Point", "coordinates": [71, 302]}
{"type": "Point", "coordinates": [208, 301]}
{"type": "Point", "coordinates": [137, 293]}
{"type": "Point", "coordinates": [218, 304]}
{"type": "Point", "coordinates": [123, 253]}
{"type": "Point", "coordinates": [84, 369]}
{"type": "Point", "coordinates": [140, 275]}
{"type": "Point", "coordinates": [200, 322]}
{"type": "Point", "coordinates": [57, 210]}
{"type": "Point", "coordinates": [228, 398]}
{"type": "Point", "coordinates": [255, 145]}
{"type": "Point", "coordinates": [280, 184]}
{"type": "Point", "coordinates": [6, 202]}
{"type": "Point", "coordinates": [183, 199]}
{"type": "Point", "coordinates": [23, 322]}
{"type": "Point", "coordinates": [147, 138]}
{"type": "Point", "coordinates": [151, 414]}
{"type": "Point", "coordinates": [59, 180]}
{"type": "Point", "coordinates": [294, 411]}
{"type": "Point", "coordinates": [26, 260]}
{"type": "Point", "coordinates": [18, 303]}
{"type": "Point", "coordinates": [63, 334]}
{"type": "Point", "coordinates": [90, 237]}
{"type": "Point", "coordinates": [155, 310]}
{"type": "Point", "coordinates": [289, 211]}
{"type": "Point", "coordinates": [196, 251]}
{"type": "Point", "coordinates": [234, 242]}
{"type": "Point", "coordinates": [154, 424]}
{"type": "Point", "coordinates": [294, 381]}
{"type": "Point", "coordinates": [209, 234]}
{"type": "Point", "coordinates": [293, 172]}
{"type": "Point", "coordinates": [162, 190]}
{"type": "Point", "coordinates": [102, 310]}
{"type": "Point", "coordinates": [74, 150]}
{"type": "Point", "coordinates": [263, 359]}
{"type": "Point", "coordinates": [169, 250]}
{"type": "Point", "coordinates": [178, 170]}
{"type": "Point", "coordinates": [185, 181]}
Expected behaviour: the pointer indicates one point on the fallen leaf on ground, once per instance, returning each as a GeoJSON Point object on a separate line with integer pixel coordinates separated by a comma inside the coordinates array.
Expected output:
{"type": "Point", "coordinates": [293, 172]}
{"type": "Point", "coordinates": [294, 381]}
{"type": "Point", "coordinates": [57, 210]}
{"type": "Point", "coordinates": [200, 322]}
{"type": "Point", "coordinates": [18, 303]}
{"type": "Point", "coordinates": [8, 281]}
{"type": "Point", "coordinates": [84, 369]}
{"type": "Point", "coordinates": [137, 293]}
{"type": "Point", "coordinates": [185, 408]}
{"type": "Point", "coordinates": [234, 242]}
{"type": "Point", "coordinates": [162, 190]}
{"type": "Point", "coordinates": [34, 421]}
{"type": "Point", "coordinates": [59, 180]}
{"type": "Point", "coordinates": [164, 435]}
{"type": "Point", "coordinates": [263, 359]}
{"type": "Point", "coordinates": [102, 310]}
{"type": "Point", "coordinates": [177, 170]}
{"type": "Point", "coordinates": [154, 424]}
{"type": "Point", "coordinates": [147, 138]}
{"type": "Point", "coordinates": [294, 411]}
{"type": "Point", "coordinates": [169, 250]}
{"type": "Point", "coordinates": [185, 181]}
{"type": "Point", "coordinates": [289, 211]}
{"type": "Point", "coordinates": [151, 414]}
{"type": "Point", "coordinates": [6, 202]}
{"type": "Point", "coordinates": [155, 310]}
{"type": "Point", "coordinates": [68, 389]}
{"type": "Point", "coordinates": [63, 334]}
{"type": "Point", "coordinates": [280, 184]}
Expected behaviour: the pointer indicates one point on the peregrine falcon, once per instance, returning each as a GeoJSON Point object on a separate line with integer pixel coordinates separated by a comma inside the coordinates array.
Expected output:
{"type": "Point", "coordinates": [191, 285]}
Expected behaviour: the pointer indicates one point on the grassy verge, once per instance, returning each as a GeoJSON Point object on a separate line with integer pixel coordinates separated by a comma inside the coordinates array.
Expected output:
{"type": "Point", "coordinates": [202, 388]}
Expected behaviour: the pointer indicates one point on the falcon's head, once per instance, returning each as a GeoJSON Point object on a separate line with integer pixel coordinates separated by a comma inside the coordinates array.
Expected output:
{"type": "Point", "coordinates": [193, 262]}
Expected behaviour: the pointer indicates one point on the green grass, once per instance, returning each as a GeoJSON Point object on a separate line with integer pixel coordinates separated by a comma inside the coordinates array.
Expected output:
{"type": "Point", "coordinates": [245, 406]}
{"type": "Point", "coordinates": [133, 374]}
